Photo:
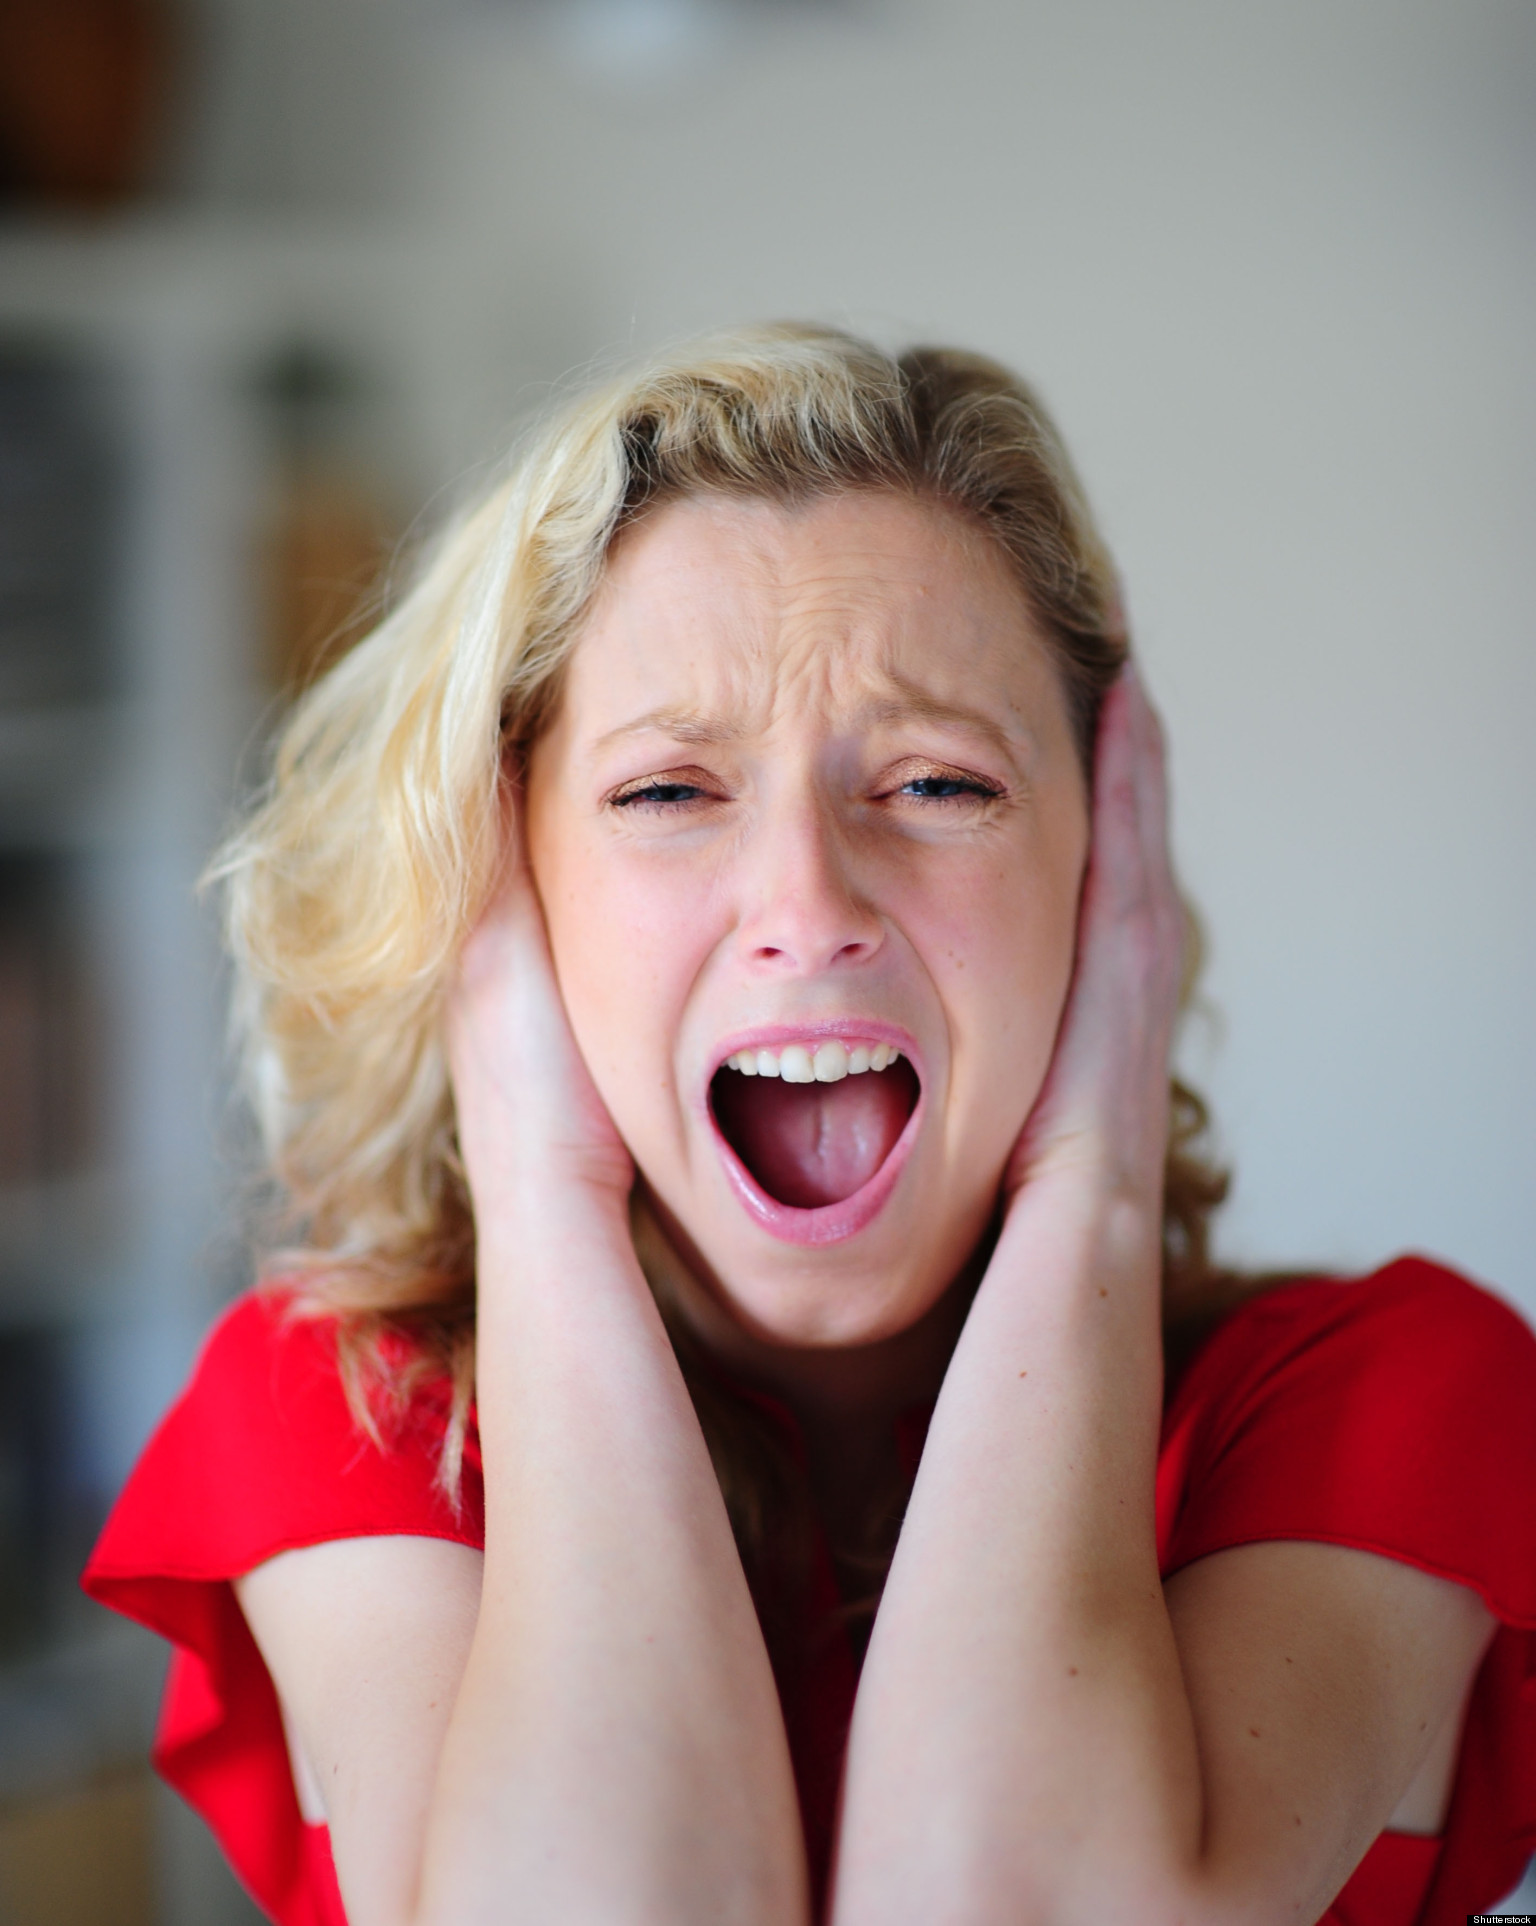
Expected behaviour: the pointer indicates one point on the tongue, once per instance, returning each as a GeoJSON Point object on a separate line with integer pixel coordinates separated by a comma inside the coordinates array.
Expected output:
{"type": "Point", "coordinates": [809, 1144]}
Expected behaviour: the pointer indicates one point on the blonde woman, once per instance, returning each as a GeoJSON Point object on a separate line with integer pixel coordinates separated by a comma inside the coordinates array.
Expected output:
{"type": "Point", "coordinates": [707, 967]}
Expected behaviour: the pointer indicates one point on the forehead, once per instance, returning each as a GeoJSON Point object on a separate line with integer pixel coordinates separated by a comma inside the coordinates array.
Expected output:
{"type": "Point", "coordinates": [755, 614]}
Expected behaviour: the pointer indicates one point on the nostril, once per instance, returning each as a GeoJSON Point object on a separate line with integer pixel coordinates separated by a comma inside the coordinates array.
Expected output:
{"type": "Point", "coordinates": [851, 952]}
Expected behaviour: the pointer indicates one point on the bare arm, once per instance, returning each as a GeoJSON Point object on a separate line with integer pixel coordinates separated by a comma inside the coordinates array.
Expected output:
{"type": "Point", "coordinates": [598, 1736]}
{"type": "Point", "coordinates": [1042, 1733]}
{"type": "Point", "coordinates": [367, 1639]}
{"type": "Point", "coordinates": [1045, 1734]}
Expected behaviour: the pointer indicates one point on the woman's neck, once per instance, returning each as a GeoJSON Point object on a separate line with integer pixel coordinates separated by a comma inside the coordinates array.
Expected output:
{"type": "Point", "coordinates": [829, 1388]}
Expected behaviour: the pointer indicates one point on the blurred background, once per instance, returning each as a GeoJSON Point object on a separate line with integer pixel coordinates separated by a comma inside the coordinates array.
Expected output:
{"type": "Point", "coordinates": [278, 278]}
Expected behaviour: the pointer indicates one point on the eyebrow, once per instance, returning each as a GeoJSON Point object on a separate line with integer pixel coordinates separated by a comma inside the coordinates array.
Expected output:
{"type": "Point", "coordinates": [699, 727]}
{"type": "Point", "coordinates": [682, 725]}
{"type": "Point", "coordinates": [914, 704]}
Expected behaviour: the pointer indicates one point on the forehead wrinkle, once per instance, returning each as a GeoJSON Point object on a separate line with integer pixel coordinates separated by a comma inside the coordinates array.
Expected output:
{"type": "Point", "coordinates": [841, 630]}
{"type": "Point", "coordinates": [816, 636]}
{"type": "Point", "coordinates": [1006, 720]}
{"type": "Point", "coordinates": [712, 676]}
{"type": "Point", "coordinates": [808, 675]}
{"type": "Point", "coordinates": [858, 681]}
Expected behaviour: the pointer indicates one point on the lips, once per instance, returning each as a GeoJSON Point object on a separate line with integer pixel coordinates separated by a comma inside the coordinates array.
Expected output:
{"type": "Point", "coordinates": [813, 1151]}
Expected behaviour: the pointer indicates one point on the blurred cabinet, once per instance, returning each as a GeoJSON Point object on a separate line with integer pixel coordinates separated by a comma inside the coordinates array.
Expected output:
{"type": "Point", "coordinates": [202, 457]}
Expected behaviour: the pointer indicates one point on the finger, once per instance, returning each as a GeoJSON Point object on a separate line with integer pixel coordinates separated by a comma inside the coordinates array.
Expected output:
{"type": "Point", "coordinates": [1151, 775]}
{"type": "Point", "coordinates": [1116, 859]}
{"type": "Point", "coordinates": [509, 896]}
{"type": "Point", "coordinates": [1172, 914]}
{"type": "Point", "coordinates": [1169, 914]}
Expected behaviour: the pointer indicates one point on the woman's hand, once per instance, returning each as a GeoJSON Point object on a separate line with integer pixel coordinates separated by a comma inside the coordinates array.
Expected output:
{"type": "Point", "coordinates": [584, 1726]}
{"type": "Point", "coordinates": [616, 1749]}
{"type": "Point", "coordinates": [1103, 1112]}
{"type": "Point", "coordinates": [531, 1121]}
{"type": "Point", "coordinates": [1022, 1745]}
{"type": "Point", "coordinates": [1041, 1732]}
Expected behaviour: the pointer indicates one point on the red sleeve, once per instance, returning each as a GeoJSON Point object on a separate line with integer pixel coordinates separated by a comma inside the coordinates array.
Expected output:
{"type": "Point", "coordinates": [1396, 1414]}
{"type": "Point", "coordinates": [259, 1455]}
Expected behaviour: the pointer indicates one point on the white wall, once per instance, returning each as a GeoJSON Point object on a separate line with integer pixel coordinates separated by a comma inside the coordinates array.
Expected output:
{"type": "Point", "coordinates": [1273, 267]}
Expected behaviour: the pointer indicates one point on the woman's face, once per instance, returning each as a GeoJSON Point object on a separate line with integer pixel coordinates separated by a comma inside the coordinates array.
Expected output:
{"type": "Point", "coordinates": [812, 796]}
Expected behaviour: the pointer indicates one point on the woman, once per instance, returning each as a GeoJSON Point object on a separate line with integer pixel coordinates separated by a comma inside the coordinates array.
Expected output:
{"type": "Point", "coordinates": [708, 966]}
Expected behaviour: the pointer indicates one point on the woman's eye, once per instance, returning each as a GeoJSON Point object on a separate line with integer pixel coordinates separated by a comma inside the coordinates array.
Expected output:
{"type": "Point", "coordinates": [945, 788]}
{"type": "Point", "coordinates": [658, 792]}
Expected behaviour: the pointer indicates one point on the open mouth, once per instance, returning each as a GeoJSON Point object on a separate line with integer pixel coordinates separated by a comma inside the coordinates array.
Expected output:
{"type": "Point", "coordinates": [814, 1123]}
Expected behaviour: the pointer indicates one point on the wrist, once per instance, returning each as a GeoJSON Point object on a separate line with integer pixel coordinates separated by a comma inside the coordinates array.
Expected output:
{"type": "Point", "coordinates": [1090, 1195]}
{"type": "Point", "coordinates": [519, 1176]}
{"type": "Point", "coordinates": [1071, 1237]}
{"type": "Point", "coordinates": [537, 1213]}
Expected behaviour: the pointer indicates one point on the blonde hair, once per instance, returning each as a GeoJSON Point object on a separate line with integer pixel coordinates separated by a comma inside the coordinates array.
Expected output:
{"type": "Point", "coordinates": [352, 885]}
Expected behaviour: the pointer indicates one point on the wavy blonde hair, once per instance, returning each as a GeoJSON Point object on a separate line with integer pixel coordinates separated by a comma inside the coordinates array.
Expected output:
{"type": "Point", "coordinates": [351, 887]}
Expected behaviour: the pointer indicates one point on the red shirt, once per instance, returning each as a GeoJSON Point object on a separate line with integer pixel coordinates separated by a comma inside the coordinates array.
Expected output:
{"type": "Point", "coordinates": [1396, 1414]}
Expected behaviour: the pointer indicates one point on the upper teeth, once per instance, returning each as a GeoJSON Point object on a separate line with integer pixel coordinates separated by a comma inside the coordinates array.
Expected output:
{"type": "Point", "coordinates": [826, 1062]}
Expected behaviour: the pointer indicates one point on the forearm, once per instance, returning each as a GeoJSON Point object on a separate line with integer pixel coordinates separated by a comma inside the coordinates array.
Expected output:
{"type": "Point", "coordinates": [616, 1750]}
{"type": "Point", "coordinates": [1023, 1747]}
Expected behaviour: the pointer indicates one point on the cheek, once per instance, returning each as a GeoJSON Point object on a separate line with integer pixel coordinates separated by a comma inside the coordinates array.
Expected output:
{"type": "Point", "coordinates": [1005, 956]}
{"type": "Point", "coordinates": [622, 943]}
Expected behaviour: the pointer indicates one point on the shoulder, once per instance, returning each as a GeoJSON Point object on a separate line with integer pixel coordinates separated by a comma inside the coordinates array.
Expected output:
{"type": "Point", "coordinates": [1394, 1412]}
{"type": "Point", "coordinates": [263, 1452]}
{"type": "Point", "coordinates": [262, 1456]}
{"type": "Point", "coordinates": [1413, 1324]}
{"type": "Point", "coordinates": [262, 1327]}
{"type": "Point", "coordinates": [267, 1366]}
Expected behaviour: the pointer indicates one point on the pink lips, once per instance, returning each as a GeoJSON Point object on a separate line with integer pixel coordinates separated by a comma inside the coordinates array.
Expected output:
{"type": "Point", "coordinates": [830, 1223]}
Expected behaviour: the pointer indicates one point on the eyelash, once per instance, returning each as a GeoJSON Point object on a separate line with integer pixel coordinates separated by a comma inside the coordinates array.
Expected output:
{"type": "Point", "coordinates": [660, 795]}
{"type": "Point", "coordinates": [957, 786]}
{"type": "Point", "coordinates": [678, 795]}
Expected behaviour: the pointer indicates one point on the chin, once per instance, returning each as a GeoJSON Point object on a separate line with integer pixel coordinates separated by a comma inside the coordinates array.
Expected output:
{"type": "Point", "coordinates": [842, 1313]}
{"type": "Point", "coordinates": [857, 1291]}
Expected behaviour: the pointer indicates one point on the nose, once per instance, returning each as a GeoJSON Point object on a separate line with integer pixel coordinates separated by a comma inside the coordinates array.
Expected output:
{"type": "Point", "coordinates": [802, 911]}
